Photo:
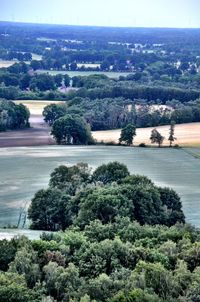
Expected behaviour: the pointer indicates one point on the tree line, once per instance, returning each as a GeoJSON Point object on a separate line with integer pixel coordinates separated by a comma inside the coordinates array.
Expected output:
{"type": "Point", "coordinates": [115, 113]}
{"type": "Point", "coordinates": [129, 132]}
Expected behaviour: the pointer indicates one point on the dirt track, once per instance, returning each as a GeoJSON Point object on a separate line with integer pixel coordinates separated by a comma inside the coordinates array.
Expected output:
{"type": "Point", "coordinates": [37, 135]}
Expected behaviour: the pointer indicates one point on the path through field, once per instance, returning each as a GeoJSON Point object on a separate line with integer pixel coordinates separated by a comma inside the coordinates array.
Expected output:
{"type": "Point", "coordinates": [37, 135]}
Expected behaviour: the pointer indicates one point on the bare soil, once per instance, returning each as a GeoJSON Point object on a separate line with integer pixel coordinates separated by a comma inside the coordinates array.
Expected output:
{"type": "Point", "coordinates": [37, 135]}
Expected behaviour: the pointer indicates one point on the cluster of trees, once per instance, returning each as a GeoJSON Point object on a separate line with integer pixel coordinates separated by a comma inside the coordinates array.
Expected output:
{"type": "Point", "coordinates": [138, 52]}
{"type": "Point", "coordinates": [122, 261]}
{"type": "Point", "coordinates": [99, 114]}
{"type": "Point", "coordinates": [157, 138]}
{"type": "Point", "coordinates": [76, 196]}
{"type": "Point", "coordinates": [18, 82]}
{"type": "Point", "coordinates": [129, 90]}
{"type": "Point", "coordinates": [13, 116]}
{"type": "Point", "coordinates": [167, 56]}
{"type": "Point", "coordinates": [113, 247]}
{"type": "Point", "coordinates": [16, 77]}
{"type": "Point", "coordinates": [72, 129]}
{"type": "Point", "coordinates": [114, 113]}
{"type": "Point", "coordinates": [129, 132]}
{"type": "Point", "coordinates": [15, 55]}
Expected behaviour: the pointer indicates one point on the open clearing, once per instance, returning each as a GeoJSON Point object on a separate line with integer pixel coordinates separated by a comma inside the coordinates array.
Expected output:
{"type": "Point", "coordinates": [89, 65]}
{"type": "Point", "coordinates": [36, 57]}
{"type": "Point", "coordinates": [25, 170]}
{"type": "Point", "coordinates": [5, 64]}
{"type": "Point", "coordinates": [37, 135]}
{"type": "Point", "coordinates": [110, 74]}
{"type": "Point", "coordinates": [36, 107]}
{"type": "Point", "coordinates": [187, 135]}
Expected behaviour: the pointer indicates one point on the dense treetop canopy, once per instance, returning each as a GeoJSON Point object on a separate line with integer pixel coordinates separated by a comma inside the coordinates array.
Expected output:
{"type": "Point", "coordinates": [13, 116]}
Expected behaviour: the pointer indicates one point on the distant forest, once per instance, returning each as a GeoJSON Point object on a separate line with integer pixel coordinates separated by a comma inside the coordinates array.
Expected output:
{"type": "Point", "coordinates": [142, 67]}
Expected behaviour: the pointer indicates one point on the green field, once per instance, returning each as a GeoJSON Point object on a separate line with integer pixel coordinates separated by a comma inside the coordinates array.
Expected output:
{"type": "Point", "coordinates": [24, 170]}
{"type": "Point", "coordinates": [109, 74]}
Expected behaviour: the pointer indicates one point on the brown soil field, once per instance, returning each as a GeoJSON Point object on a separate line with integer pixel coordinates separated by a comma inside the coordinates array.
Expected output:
{"type": "Point", "coordinates": [37, 135]}
{"type": "Point", "coordinates": [187, 135]}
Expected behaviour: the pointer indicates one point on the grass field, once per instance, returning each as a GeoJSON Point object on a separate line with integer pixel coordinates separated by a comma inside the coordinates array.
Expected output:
{"type": "Point", "coordinates": [92, 65]}
{"type": "Point", "coordinates": [36, 107]}
{"type": "Point", "coordinates": [36, 57]}
{"type": "Point", "coordinates": [109, 74]}
{"type": "Point", "coordinates": [25, 170]}
{"type": "Point", "coordinates": [187, 135]}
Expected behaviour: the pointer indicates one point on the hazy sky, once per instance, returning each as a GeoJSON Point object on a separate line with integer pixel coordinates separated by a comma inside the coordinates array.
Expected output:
{"type": "Point", "coordinates": [154, 13]}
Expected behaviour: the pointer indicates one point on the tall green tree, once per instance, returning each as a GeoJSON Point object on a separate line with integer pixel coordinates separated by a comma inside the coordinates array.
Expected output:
{"type": "Point", "coordinates": [171, 138]}
{"type": "Point", "coordinates": [71, 178]}
{"type": "Point", "coordinates": [156, 137]}
{"type": "Point", "coordinates": [47, 210]}
{"type": "Point", "coordinates": [72, 130]}
{"type": "Point", "coordinates": [127, 134]}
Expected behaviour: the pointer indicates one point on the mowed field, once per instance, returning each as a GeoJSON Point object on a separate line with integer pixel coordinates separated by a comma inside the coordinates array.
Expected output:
{"type": "Point", "coordinates": [36, 107]}
{"type": "Point", "coordinates": [187, 135]}
{"type": "Point", "coordinates": [110, 74]}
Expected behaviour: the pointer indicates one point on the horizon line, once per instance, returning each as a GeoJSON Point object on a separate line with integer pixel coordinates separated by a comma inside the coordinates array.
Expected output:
{"type": "Point", "coordinates": [99, 26]}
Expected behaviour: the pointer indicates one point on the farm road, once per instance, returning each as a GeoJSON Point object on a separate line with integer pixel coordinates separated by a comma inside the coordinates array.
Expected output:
{"type": "Point", "coordinates": [37, 135]}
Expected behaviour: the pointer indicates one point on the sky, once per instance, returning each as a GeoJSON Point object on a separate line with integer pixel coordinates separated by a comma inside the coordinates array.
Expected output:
{"type": "Point", "coordinates": [123, 13]}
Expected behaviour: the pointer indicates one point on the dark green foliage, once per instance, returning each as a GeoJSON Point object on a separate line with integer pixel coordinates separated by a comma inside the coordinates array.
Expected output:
{"type": "Point", "coordinates": [156, 137]}
{"type": "Point", "coordinates": [42, 82]}
{"type": "Point", "coordinates": [71, 129]}
{"type": "Point", "coordinates": [109, 113]}
{"type": "Point", "coordinates": [13, 288]}
{"type": "Point", "coordinates": [7, 253]}
{"type": "Point", "coordinates": [171, 138]}
{"type": "Point", "coordinates": [137, 295]}
{"type": "Point", "coordinates": [47, 210]}
{"type": "Point", "coordinates": [13, 116]}
{"type": "Point", "coordinates": [76, 196]}
{"type": "Point", "coordinates": [119, 261]}
{"type": "Point", "coordinates": [69, 179]}
{"type": "Point", "coordinates": [127, 134]}
{"type": "Point", "coordinates": [171, 200]}
{"type": "Point", "coordinates": [53, 112]}
{"type": "Point", "coordinates": [110, 172]}
{"type": "Point", "coordinates": [105, 205]}
{"type": "Point", "coordinates": [136, 180]}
